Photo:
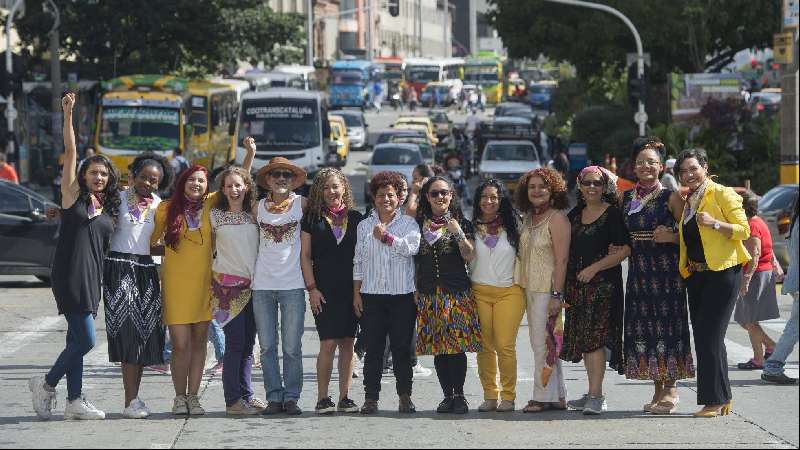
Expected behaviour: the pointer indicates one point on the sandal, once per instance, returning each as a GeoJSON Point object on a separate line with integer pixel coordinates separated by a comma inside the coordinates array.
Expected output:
{"type": "Point", "coordinates": [750, 365]}
{"type": "Point", "coordinates": [535, 407]}
{"type": "Point", "coordinates": [665, 407]}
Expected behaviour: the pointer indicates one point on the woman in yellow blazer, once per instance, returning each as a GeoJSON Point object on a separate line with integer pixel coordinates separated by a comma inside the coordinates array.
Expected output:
{"type": "Point", "coordinates": [712, 234]}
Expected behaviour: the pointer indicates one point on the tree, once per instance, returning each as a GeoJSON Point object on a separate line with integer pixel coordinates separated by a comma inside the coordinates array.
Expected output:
{"type": "Point", "coordinates": [684, 35]}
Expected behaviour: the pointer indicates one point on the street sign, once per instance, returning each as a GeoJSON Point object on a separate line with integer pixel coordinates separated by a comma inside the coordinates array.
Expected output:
{"type": "Point", "coordinates": [633, 57]}
{"type": "Point", "coordinates": [791, 13]}
{"type": "Point", "coordinates": [640, 117]}
{"type": "Point", "coordinates": [783, 48]}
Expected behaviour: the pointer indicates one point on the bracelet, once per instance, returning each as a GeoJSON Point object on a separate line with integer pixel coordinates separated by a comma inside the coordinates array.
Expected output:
{"type": "Point", "coordinates": [311, 287]}
{"type": "Point", "coordinates": [557, 295]}
{"type": "Point", "coordinates": [387, 238]}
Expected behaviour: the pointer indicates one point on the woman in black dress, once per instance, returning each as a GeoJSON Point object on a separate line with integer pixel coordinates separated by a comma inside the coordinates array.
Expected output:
{"type": "Point", "coordinates": [89, 207]}
{"type": "Point", "coordinates": [594, 295]}
{"type": "Point", "coordinates": [328, 246]}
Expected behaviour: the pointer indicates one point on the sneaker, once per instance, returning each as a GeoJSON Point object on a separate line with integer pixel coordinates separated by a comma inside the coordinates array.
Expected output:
{"type": "Point", "coordinates": [257, 403]}
{"type": "Point", "coordinates": [460, 405]}
{"type": "Point", "coordinates": [488, 406]}
{"type": "Point", "coordinates": [273, 408]}
{"type": "Point", "coordinates": [445, 406]}
{"type": "Point", "coordinates": [161, 368]}
{"type": "Point", "coordinates": [370, 407]}
{"type": "Point", "coordinates": [216, 369]}
{"type": "Point", "coordinates": [505, 406]}
{"type": "Point", "coordinates": [179, 406]}
{"type": "Point", "coordinates": [595, 406]}
{"type": "Point", "coordinates": [193, 403]}
{"type": "Point", "coordinates": [347, 406]}
{"type": "Point", "coordinates": [241, 408]}
{"type": "Point", "coordinates": [780, 378]}
{"type": "Point", "coordinates": [44, 399]}
{"type": "Point", "coordinates": [290, 407]}
{"type": "Point", "coordinates": [81, 409]}
{"type": "Point", "coordinates": [136, 410]}
{"type": "Point", "coordinates": [406, 405]}
{"type": "Point", "coordinates": [578, 404]}
{"type": "Point", "coordinates": [325, 406]}
{"type": "Point", "coordinates": [421, 371]}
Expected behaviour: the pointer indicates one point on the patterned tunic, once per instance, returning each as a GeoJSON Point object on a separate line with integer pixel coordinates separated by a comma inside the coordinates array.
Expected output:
{"type": "Point", "coordinates": [657, 344]}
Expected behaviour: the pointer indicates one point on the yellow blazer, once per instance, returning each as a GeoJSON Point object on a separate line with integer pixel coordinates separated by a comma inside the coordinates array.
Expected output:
{"type": "Point", "coordinates": [725, 205]}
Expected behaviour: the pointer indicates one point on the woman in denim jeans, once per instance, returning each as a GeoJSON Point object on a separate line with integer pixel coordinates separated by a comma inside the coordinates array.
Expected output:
{"type": "Point", "coordinates": [279, 284]}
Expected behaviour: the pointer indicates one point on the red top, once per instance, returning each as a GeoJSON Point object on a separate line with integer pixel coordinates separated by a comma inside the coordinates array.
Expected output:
{"type": "Point", "coordinates": [7, 172]}
{"type": "Point", "coordinates": [760, 230]}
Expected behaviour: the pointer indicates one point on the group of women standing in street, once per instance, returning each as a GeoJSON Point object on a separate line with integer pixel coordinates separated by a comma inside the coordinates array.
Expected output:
{"type": "Point", "coordinates": [459, 286]}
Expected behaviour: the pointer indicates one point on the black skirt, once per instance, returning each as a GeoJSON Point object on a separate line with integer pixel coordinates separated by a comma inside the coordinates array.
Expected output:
{"type": "Point", "coordinates": [132, 300]}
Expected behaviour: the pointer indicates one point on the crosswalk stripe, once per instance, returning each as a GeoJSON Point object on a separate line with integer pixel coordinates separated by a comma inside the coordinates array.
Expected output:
{"type": "Point", "coordinates": [28, 332]}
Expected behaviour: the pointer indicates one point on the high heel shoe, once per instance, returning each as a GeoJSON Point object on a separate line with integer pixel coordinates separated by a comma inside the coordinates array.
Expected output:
{"type": "Point", "coordinates": [708, 412]}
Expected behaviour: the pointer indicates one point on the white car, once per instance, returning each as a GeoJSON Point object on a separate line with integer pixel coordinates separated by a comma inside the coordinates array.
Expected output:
{"type": "Point", "coordinates": [507, 161]}
{"type": "Point", "coordinates": [400, 158]}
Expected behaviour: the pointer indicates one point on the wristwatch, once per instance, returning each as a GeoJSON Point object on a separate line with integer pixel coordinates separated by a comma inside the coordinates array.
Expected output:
{"type": "Point", "coordinates": [717, 225]}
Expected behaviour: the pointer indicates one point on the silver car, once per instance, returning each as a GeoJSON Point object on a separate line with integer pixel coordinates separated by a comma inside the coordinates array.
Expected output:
{"type": "Point", "coordinates": [400, 158]}
{"type": "Point", "coordinates": [357, 127]}
{"type": "Point", "coordinates": [507, 161]}
{"type": "Point", "coordinates": [776, 208]}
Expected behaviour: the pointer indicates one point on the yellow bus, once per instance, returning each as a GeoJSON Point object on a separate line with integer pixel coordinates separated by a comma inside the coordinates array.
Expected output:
{"type": "Point", "coordinates": [488, 74]}
{"type": "Point", "coordinates": [140, 113]}
{"type": "Point", "coordinates": [212, 116]}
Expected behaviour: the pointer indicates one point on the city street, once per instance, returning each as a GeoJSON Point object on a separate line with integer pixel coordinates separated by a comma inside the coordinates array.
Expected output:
{"type": "Point", "coordinates": [764, 416]}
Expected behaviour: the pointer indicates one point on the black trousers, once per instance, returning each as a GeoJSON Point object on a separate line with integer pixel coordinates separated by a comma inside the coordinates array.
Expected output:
{"type": "Point", "coordinates": [393, 316]}
{"type": "Point", "coordinates": [452, 373]}
{"type": "Point", "coordinates": [712, 296]}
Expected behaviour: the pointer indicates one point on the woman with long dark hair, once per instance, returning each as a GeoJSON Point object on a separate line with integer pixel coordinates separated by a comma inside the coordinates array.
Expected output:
{"type": "Point", "coordinates": [89, 208]}
{"type": "Point", "coordinates": [501, 302]}
{"type": "Point", "coordinates": [184, 223]}
{"type": "Point", "coordinates": [447, 316]}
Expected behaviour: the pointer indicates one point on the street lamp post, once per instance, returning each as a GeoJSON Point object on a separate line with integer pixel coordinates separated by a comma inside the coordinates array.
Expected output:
{"type": "Point", "coordinates": [310, 33]}
{"type": "Point", "coordinates": [11, 111]}
{"type": "Point", "coordinates": [641, 116]}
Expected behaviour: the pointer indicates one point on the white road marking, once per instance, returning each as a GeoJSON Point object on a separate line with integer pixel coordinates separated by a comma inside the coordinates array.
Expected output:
{"type": "Point", "coordinates": [29, 332]}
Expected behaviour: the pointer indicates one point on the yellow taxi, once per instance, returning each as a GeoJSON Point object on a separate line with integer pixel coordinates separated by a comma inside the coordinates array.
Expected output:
{"type": "Point", "coordinates": [418, 123]}
{"type": "Point", "coordinates": [339, 135]}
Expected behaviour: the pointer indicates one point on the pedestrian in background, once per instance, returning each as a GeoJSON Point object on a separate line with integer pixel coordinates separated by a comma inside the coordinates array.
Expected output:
{"type": "Point", "coordinates": [235, 250]}
{"type": "Point", "coordinates": [542, 272]}
{"type": "Point", "coordinates": [593, 290]}
{"type": "Point", "coordinates": [668, 179]}
{"type": "Point", "coordinates": [657, 344]}
{"type": "Point", "coordinates": [329, 234]}
{"type": "Point", "coordinates": [383, 289]}
{"type": "Point", "coordinates": [278, 286]}
{"type": "Point", "coordinates": [713, 229]}
{"type": "Point", "coordinates": [131, 285]}
{"type": "Point", "coordinates": [89, 208]}
{"type": "Point", "coordinates": [501, 301]}
{"type": "Point", "coordinates": [758, 297]}
{"type": "Point", "coordinates": [447, 313]}
{"type": "Point", "coordinates": [773, 369]}
{"type": "Point", "coordinates": [7, 171]}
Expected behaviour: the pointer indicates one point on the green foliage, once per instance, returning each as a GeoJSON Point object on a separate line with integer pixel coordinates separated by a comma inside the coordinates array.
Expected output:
{"type": "Point", "coordinates": [605, 129]}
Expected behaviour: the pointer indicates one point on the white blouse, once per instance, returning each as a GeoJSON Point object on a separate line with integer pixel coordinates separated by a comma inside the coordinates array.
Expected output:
{"type": "Point", "coordinates": [235, 243]}
{"type": "Point", "coordinates": [131, 235]}
{"type": "Point", "coordinates": [494, 266]}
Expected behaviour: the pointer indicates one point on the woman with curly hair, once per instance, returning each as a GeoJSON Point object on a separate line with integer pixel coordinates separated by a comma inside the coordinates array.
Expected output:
{"type": "Point", "coordinates": [447, 313]}
{"type": "Point", "coordinates": [593, 289]}
{"type": "Point", "coordinates": [501, 302]}
{"type": "Point", "coordinates": [329, 234]}
{"type": "Point", "coordinates": [541, 271]}
{"type": "Point", "coordinates": [184, 224]}
{"type": "Point", "coordinates": [89, 209]}
{"type": "Point", "coordinates": [131, 286]}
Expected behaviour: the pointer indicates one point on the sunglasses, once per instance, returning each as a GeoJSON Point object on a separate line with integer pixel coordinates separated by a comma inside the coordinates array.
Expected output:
{"type": "Point", "coordinates": [276, 174]}
{"type": "Point", "coordinates": [442, 193]}
{"type": "Point", "coordinates": [590, 183]}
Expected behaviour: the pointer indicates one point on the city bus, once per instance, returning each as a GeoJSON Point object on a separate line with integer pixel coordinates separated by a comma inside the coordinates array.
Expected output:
{"type": "Point", "coordinates": [140, 113]}
{"type": "Point", "coordinates": [212, 113]}
{"type": "Point", "coordinates": [488, 74]}
{"type": "Point", "coordinates": [307, 75]}
{"type": "Point", "coordinates": [421, 71]}
{"type": "Point", "coordinates": [351, 83]}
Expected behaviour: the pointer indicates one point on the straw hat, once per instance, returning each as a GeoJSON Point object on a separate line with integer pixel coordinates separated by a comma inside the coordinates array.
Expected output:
{"type": "Point", "coordinates": [280, 162]}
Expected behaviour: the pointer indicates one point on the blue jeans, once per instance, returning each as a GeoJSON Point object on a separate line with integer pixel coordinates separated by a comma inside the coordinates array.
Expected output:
{"type": "Point", "coordinates": [785, 345]}
{"type": "Point", "coordinates": [80, 340]}
{"type": "Point", "coordinates": [292, 325]}
{"type": "Point", "coordinates": [217, 337]}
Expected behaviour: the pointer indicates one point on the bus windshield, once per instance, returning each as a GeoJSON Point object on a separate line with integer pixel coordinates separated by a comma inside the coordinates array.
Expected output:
{"type": "Point", "coordinates": [140, 128]}
{"type": "Point", "coordinates": [281, 124]}
{"type": "Point", "coordinates": [423, 74]}
{"type": "Point", "coordinates": [472, 76]}
{"type": "Point", "coordinates": [353, 77]}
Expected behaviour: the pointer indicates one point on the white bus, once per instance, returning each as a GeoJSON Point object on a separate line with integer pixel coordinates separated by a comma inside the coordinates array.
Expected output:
{"type": "Point", "coordinates": [307, 73]}
{"type": "Point", "coordinates": [421, 71]}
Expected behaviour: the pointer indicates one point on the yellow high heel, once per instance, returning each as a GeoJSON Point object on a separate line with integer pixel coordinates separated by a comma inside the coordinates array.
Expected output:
{"type": "Point", "coordinates": [722, 410]}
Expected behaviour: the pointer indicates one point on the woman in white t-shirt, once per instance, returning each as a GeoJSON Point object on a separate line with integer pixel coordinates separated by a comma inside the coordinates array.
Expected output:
{"type": "Point", "coordinates": [131, 287]}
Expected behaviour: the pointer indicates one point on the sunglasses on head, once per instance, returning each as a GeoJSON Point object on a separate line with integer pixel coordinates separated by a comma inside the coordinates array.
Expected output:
{"type": "Point", "coordinates": [592, 183]}
{"type": "Point", "coordinates": [442, 193]}
{"type": "Point", "coordinates": [285, 174]}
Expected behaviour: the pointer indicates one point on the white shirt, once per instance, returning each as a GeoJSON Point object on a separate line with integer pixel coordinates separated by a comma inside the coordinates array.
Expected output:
{"type": "Point", "coordinates": [132, 236]}
{"type": "Point", "coordinates": [386, 269]}
{"type": "Point", "coordinates": [472, 123]}
{"type": "Point", "coordinates": [494, 266]}
{"type": "Point", "coordinates": [278, 263]}
{"type": "Point", "coordinates": [235, 243]}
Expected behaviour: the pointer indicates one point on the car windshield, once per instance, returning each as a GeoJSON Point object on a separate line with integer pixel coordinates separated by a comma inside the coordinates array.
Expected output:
{"type": "Point", "coordinates": [352, 120]}
{"type": "Point", "coordinates": [140, 128]}
{"type": "Point", "coordinates": [352, 77]}
{"type": "Point", "coordinates": [439, 117]}
{"type": "Point", "coordinates": [513, 111]}
{"type": "Point", "coordinates": [777, 199]}
{"type": "Point", "coordinates": [281, 124]}
{"type": "Point", "coordinates": [511, 153]}
{"type": "Point", "coordinates": [396, 156]}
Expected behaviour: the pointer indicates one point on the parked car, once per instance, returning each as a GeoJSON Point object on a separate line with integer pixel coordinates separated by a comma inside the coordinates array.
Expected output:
{"type": "Point", "coordinates": [507, 161]}
{"type": "Point", "coordinates": [27, 237]}
{"type": "Point", "coordinates": [357, 127]}
{"type": "Point", "coordinates": [776, 208]}
{"type": "Point", "coordinates": [400, 158]}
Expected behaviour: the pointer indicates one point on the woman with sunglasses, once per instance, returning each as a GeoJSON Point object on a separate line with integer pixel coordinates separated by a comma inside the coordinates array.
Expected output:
{"type": "Point", "coordinates": [593, 293]}
{"type": "Point", "coordinates": [183, 224]}
{"type": "Point", "coordinates": [713, 229]}
{"type": "Point", "coordinates": [447, 314]}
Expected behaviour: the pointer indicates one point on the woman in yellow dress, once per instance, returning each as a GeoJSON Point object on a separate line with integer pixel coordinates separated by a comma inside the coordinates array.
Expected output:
{"type": "Point", "coordinates": [182, 222]}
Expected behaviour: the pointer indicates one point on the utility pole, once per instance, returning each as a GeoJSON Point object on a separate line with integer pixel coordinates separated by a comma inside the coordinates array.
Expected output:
{"type": "Point", "coordinates": [369, 30]}
{"type": "Point", "coordinates": [55, 72]}
{"type": "Point", "coordinates": [310, 32]}
{"type": "Point", "coordinates": [11, 111]}
{"type": "Point", "coordinates": [421, 29]}
{"type": "Point", "coordinates": [445, 3]}
{"type": "Point", "coordinates": [473, 27]}
{"type": "Point", "coordinates": [790, 154]}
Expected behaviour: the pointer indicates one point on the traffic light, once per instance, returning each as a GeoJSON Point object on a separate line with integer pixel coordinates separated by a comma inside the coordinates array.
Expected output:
{"type": "Point", "coordinates": [394, 8]}
{"type": "Point", "coordinates": [637, 87]}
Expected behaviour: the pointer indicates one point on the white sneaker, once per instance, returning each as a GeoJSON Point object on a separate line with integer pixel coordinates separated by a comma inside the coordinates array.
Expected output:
{"type": "Point", "coordinates": [136, 410]}
{"type": "Point", "coordinates": [421, 371]}
{"type": "Point", "coordinates": [193, 403]}
{"type": "Point", "coordinates": [179, 406]}
{"type": "Point", "coordinates": [44, 400]}
{"type": "Point", "coordinates": [81, 409]}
